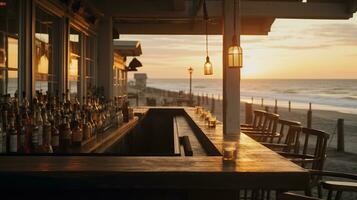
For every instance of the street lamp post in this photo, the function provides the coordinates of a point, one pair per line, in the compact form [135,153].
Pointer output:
[190,70]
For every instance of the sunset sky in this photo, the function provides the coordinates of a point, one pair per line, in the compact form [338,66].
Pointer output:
[293,49]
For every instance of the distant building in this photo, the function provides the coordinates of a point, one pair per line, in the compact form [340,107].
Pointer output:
[140,80]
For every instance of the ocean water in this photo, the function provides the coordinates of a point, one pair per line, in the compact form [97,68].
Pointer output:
[334,95]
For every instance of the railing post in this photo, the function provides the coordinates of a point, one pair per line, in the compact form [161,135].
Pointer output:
[309,117]
[248,113]
[289,106]
[340,135]
[262,102]
[276,107]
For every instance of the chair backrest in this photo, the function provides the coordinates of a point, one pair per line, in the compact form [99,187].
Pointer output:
[314,145]
[289,132]
[291,196]
[270,123]
[258,118]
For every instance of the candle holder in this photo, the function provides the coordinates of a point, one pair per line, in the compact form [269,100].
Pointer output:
[212,122]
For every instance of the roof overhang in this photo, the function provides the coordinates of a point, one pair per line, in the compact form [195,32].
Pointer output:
[185,16]
[127,48]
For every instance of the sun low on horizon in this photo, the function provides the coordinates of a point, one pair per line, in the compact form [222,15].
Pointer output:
[294,49]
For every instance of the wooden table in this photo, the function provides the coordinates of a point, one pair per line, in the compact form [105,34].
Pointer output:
[256,167]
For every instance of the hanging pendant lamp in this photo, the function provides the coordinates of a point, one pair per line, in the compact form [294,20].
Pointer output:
[235,52]
[208,68]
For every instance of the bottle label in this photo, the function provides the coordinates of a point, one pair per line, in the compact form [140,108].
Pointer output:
[13,143]
[1,144]
[35,137]
[55,140]
[40,136]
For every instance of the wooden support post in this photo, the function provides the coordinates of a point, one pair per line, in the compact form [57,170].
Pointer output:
[276,107]
[248,113]
[309,117]
[231,75]
[289,106]
[340,135]
[262,102]
[105,56]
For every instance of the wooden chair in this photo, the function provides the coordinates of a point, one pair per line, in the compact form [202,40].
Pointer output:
[288,137]
[268,129]
[334,188]
[258,119]
[313,151]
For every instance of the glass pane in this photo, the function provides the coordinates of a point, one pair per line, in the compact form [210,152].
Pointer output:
[46,39]
[12,82]
[2,82]
[13,57]
[74,63]
[9,28]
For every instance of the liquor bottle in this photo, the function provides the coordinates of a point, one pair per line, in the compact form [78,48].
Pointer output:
[47,147]
[12,133]
[55,134]
[86,128]
[5,138]
[66,136]
[2,137]
[21,130]
[39,124]
[125,111]
[77,134]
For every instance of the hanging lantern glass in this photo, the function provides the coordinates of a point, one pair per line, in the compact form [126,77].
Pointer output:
[208,68]
[235,56]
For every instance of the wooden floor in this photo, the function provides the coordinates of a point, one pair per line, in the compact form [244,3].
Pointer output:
[256,167]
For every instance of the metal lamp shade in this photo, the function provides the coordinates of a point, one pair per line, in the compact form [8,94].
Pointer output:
[235,56]
[135,63]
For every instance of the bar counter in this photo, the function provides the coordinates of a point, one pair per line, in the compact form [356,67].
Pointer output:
[256,167]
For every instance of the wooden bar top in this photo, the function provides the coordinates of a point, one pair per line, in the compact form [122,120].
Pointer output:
[256,167]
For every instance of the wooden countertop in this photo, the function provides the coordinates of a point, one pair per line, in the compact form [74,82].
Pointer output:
[256,167]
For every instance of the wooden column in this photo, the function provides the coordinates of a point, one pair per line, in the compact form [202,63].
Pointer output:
[231,76]
[105,56]
[25,48]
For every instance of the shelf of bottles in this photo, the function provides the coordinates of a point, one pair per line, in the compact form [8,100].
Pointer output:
[51,124]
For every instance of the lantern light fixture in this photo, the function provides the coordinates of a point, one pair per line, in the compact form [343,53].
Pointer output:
[207,67]
[235,52]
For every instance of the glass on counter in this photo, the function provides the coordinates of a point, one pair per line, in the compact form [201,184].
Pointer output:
[229,151]
[212,122]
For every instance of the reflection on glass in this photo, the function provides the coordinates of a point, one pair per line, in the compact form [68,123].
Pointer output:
[9,23]
[12,47]
[46,39]
[74,63]
[12,82]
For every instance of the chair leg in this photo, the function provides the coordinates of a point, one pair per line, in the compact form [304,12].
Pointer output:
[338,195]
[319,191]
[329,196]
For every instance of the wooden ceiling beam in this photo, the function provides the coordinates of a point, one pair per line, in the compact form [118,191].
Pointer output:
[260,8]
[250,26]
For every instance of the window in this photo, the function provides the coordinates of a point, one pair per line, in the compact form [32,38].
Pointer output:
[46,41]
[90,64]
[75,64]
[9,44]
[119,75]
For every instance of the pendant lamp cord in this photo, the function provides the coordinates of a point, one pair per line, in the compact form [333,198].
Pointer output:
[235,17]
[205,15]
